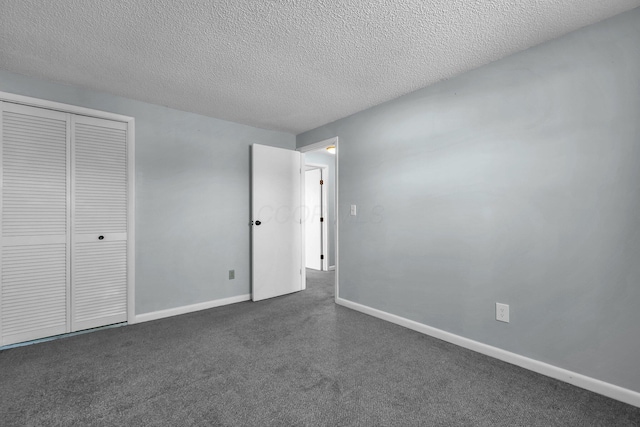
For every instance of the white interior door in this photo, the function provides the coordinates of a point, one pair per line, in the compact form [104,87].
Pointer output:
[99,235]
[312,215]
[34,286]
[276,200]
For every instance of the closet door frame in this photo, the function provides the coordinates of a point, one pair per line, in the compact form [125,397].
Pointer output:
[130,122]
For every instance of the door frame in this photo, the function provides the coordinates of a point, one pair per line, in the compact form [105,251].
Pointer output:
[130,122]
[317,146]
[323,202]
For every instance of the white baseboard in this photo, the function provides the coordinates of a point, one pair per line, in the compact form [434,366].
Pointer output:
[161,314]
[606,389]
[332,267]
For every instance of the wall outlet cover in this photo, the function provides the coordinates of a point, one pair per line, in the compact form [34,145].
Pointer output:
[502,312]
[232,274]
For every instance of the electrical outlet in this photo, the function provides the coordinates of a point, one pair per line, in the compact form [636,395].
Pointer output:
[354,210]
[502,312]
[232,274]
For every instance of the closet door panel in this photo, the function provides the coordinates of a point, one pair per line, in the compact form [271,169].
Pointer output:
[99,204]
[35,194]
[34,292]
[100,283]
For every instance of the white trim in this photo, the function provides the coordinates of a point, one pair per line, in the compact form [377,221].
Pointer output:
[58,106]
[324,174]
[332,267]
[59,336]
[337,214]
[319,145]
[312,166]
[597,386]
[131,223]
[303,237]
[161,314]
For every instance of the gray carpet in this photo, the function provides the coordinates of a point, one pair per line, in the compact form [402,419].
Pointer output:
[296,360]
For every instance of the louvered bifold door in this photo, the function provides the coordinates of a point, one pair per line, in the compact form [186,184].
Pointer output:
[35,190]
[99,233]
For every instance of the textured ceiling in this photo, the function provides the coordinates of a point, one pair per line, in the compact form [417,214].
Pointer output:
[288,65]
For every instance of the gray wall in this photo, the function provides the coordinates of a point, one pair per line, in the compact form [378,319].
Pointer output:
[192,195]
[321,157]
[518,182]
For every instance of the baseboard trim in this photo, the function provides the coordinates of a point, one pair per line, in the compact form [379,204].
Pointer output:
[332,267]
[161,314]
[606,389]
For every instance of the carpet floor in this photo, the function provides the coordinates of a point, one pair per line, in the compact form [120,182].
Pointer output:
[296,360]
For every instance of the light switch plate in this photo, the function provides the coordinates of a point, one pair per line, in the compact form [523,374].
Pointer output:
[353,210]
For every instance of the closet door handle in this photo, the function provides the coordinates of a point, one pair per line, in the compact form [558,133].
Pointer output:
[100,237]
[258,223]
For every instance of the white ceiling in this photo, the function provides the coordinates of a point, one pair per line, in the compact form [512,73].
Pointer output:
[287,65]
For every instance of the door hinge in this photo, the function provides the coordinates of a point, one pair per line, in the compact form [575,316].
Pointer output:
[321,256]
[322,182]
[321,219]
[300,271]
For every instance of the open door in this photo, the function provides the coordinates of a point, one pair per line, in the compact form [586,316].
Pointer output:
[276,218]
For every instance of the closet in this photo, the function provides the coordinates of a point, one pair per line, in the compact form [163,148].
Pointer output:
[65,219]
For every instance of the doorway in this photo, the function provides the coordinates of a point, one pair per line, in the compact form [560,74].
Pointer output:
[321,238]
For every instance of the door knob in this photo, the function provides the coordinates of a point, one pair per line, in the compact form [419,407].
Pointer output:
[100,237]
[258,223]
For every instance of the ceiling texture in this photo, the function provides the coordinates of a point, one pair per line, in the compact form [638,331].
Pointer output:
[288,65]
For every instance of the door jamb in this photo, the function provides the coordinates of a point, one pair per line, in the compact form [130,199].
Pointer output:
[324,265]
